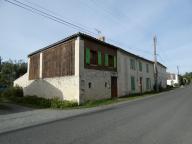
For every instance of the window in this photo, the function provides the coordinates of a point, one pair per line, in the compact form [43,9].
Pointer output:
[132,65]
[89,84]
[148,83]
[105,84]
[111,60]
[106,60]
[147,68]
[87,56]
[140,66]
[99,57]
[132,83]
[115,61]
[93,57]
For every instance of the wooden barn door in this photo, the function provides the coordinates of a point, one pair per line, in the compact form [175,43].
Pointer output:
[113,87]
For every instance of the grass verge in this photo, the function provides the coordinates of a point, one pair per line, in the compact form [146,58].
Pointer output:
[56,103]
[96,103]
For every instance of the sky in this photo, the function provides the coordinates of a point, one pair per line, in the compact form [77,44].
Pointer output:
[128,24]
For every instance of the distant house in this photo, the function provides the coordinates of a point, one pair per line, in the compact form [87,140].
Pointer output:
[172,79]
[81,68]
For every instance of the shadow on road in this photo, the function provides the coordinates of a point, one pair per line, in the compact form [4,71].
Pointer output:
[7,108]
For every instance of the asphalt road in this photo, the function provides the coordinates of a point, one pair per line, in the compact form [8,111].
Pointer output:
[7,108]
[162,119]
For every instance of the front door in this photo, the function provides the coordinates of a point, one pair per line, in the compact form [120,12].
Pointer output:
[113,87]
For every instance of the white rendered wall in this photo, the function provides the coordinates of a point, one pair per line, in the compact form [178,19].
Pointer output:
[66,87]
[162,76]
[125,73]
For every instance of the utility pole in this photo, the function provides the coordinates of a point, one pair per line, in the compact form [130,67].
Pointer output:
[178,70]
[180,81]
[155,63]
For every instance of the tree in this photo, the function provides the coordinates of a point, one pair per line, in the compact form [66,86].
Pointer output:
[11,70]
[0,63]
[188,76]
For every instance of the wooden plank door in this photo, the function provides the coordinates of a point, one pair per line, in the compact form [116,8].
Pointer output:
[113,87]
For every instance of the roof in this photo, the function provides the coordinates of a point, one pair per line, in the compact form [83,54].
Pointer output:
[79,34]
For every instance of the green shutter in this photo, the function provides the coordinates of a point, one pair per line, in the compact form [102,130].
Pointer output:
[132,83]
[87,56]
[106,60]
[99,57]
[115,62]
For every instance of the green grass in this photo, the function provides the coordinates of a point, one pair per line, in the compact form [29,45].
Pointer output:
[56,103]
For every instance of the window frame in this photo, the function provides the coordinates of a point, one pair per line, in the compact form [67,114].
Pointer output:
[140,66]
[147,68]
[133,83]
[132,64]
[93,57]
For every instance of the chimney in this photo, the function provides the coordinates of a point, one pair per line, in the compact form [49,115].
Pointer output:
[101,38]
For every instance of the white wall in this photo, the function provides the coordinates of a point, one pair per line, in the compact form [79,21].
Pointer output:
[162,76]
[97,78]
[125,73]
[173,81]
[66,87]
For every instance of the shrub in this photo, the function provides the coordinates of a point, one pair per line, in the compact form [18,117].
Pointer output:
[34,101]
[12,92]
[57,103]
[43,102]
[17,91]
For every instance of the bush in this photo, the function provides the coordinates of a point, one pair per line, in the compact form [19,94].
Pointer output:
[40,102]
[57,103]
[33,101]
[12,92]
[17,91]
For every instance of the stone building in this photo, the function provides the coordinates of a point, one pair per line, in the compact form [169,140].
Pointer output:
[81,68]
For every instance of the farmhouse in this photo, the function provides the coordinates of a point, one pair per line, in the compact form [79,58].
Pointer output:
[81,68]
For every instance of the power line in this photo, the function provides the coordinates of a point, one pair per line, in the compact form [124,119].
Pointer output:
[50,16]
[54,13]
[108,11]
[59,20]
[129,47]
[160,57]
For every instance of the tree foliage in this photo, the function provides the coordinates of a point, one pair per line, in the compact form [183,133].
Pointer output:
[11,70]
[188,76]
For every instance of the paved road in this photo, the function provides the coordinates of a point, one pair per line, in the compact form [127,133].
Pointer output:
[7,108]
[163,119]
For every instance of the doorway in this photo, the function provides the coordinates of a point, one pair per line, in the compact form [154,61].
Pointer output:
[113,87]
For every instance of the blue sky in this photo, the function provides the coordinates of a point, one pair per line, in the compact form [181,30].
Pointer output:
[125,23]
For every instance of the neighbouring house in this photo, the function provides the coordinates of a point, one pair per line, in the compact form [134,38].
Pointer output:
[81,67]
[173,79]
